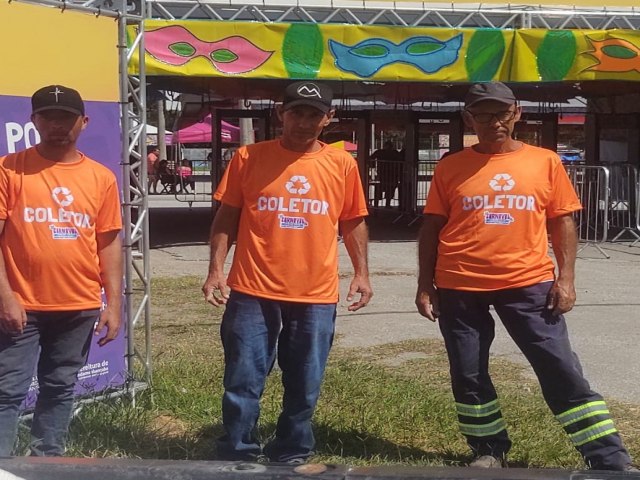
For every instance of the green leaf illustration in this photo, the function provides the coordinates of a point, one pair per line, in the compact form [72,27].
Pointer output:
[370,51]
[183,49]
[556,55]
[223,56]
[302,50]
[423,48]
[618,51]
[484,54]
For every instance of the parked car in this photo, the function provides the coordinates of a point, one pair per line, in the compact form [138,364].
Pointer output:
[571,156]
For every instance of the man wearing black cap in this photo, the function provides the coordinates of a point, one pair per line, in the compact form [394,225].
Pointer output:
[484,243]
[284,201]
[59,238]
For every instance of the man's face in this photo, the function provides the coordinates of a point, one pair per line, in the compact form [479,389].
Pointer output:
[493,122]
[59,127]
[303,124]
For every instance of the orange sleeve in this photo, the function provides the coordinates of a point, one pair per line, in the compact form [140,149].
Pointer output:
[437,201]
[109,216]
[4,193]
[229,189]
[355,205]
[564,199]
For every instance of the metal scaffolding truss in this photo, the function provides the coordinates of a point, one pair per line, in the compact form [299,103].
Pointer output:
[133,114]
[407,14]
[133,95]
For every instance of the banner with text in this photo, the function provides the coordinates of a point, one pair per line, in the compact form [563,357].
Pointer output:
[41,46]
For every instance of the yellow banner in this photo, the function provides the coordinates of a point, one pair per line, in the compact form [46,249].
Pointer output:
[377,53]
[555,3]
[44,45]
[557,55]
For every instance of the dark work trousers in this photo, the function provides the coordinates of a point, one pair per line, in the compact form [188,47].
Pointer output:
[468,330]
[57,345]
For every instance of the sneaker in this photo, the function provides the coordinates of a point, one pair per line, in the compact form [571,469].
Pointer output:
[488,461]
[631,468]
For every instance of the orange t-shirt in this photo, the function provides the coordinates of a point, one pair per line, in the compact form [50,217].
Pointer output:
[291,204]
[52,212]
[497,206]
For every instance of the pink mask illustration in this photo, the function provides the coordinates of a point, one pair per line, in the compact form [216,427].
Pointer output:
[177,46]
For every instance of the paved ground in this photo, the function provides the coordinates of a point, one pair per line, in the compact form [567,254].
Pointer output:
[604,325]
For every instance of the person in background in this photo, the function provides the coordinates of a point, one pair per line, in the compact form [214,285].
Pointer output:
[283,202]
[185,174]
[389,170]
[152,167]
[60,241]
[483,244]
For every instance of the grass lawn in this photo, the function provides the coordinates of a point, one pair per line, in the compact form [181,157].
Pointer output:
[384,405]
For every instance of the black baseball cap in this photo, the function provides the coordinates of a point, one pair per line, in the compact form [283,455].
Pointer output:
[496,91]
[314,94]
[57,97]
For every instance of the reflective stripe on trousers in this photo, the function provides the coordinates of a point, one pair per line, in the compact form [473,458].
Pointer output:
[480,420]
[587,422]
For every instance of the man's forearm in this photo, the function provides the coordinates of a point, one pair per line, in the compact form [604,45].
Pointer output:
[110,258]
[355,235]
[224,231]
[220,244]
[428,249]
[564,241]
[5,288]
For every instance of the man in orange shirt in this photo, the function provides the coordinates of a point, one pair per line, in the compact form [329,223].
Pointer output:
[283,202]
[484,243]
[59,237]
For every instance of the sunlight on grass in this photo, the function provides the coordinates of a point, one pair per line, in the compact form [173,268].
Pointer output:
[385,405]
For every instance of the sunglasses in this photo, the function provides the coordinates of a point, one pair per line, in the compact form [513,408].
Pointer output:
[502,117]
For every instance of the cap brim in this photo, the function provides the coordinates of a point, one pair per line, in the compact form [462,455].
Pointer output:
[323,107]
[59,107]
[506,101]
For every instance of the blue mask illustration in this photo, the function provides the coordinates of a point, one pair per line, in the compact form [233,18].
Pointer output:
[367,57]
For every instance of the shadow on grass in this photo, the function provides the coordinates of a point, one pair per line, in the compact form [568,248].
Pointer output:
[136,435]
[362,447]
[143,440]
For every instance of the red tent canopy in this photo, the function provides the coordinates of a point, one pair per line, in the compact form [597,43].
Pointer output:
[200,132]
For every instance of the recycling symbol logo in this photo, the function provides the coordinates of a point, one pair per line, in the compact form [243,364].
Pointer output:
[62,196]
[298,184]
[502,182]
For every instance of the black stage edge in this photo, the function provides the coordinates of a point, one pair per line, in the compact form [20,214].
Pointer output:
[30,468]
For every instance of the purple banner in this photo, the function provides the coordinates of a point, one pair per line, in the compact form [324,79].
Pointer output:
[100,140]
[106,367]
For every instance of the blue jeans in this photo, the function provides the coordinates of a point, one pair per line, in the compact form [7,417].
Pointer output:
[251,329]
[63,339]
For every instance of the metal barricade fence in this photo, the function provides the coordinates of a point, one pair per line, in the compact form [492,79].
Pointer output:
[194,184]
[592,186]
[424,174]
[623,198]
[637,209]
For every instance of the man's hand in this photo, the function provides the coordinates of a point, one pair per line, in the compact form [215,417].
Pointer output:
[110,317]
[561,297]
[215,290]
[362,286]
[13,318]
[428,303]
